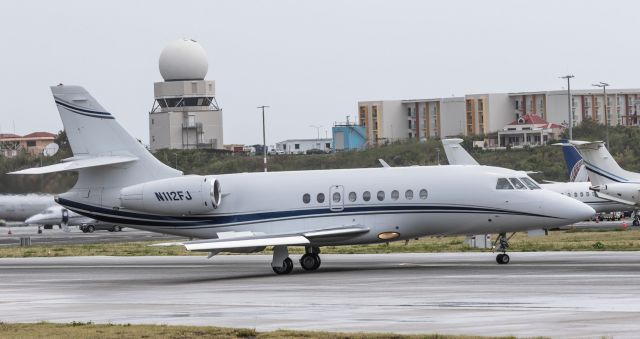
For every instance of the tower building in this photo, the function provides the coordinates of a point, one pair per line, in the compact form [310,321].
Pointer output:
[185,112]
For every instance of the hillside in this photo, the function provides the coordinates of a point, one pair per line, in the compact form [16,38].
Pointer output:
[625,146]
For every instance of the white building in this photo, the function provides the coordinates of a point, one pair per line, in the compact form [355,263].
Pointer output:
[185,114]
[301,146]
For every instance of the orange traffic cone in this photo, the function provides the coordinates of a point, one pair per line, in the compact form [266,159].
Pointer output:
[624,225]
[9,233]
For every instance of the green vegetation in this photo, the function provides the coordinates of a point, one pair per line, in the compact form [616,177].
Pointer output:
[625,146]
[576,240]
[90,330]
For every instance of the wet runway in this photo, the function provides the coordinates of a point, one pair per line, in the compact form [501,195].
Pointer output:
[556,294]
[75,236]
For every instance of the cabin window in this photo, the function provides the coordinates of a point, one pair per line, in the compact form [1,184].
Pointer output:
[423,194]
[306,198]
[380,195]
[575,195]
[352,196]
[408,194]
[531,184]
[320,197]
[517,184]
[587,194]
[336,197]
[581,194]
[395,195]
[503,184]
[366,196]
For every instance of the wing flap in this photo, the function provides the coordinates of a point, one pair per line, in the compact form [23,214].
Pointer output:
[76,164]
[614,199]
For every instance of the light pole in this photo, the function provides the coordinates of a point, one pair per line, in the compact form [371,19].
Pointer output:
[264,139]
[176,156]
[570,103]
[317,127]
[606,114]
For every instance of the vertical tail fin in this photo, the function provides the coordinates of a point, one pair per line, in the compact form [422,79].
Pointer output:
[456,154]
[575,165]
[602,167]
[94,134]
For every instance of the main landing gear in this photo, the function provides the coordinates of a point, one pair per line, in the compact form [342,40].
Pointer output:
[282,264]
[503,245]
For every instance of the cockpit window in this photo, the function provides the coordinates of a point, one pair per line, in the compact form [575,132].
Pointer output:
[518,185]
[503,184]
[530,183]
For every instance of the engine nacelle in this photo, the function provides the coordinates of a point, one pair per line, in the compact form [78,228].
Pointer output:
[190,194]
[626,191]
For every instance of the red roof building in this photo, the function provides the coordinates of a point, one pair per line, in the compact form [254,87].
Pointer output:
[34,143]
[528,130]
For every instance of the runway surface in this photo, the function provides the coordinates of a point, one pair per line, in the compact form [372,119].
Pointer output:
[556,294]
[75,236]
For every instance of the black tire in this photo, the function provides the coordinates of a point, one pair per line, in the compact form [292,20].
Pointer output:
[286,268]
[504,259]
[499,258]
[90,229]
[636,223]
[117,228]
[310,262]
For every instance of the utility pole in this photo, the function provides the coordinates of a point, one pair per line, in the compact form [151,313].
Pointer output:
[606,114]
[570,103]
[264,139]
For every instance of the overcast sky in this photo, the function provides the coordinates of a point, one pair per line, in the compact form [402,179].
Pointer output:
[311,61]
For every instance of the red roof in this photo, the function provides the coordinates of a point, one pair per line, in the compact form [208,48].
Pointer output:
[40,135]
[531,119]
[8,136]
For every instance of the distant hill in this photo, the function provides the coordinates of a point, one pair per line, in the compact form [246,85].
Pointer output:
[625,146]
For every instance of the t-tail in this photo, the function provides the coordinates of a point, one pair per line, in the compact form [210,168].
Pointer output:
[602,167]
[106,157]
[576,170]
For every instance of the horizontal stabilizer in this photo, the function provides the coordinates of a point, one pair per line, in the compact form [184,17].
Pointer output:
[614,199]
[76,164]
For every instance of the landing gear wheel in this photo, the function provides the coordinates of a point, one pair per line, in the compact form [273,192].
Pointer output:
[286,268]
[310,261]
[90,229]
[117,228]
[502,259]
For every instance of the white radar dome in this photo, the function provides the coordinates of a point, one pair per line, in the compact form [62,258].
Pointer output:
[183,59]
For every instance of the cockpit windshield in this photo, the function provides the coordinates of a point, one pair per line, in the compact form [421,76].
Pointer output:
[530,183]
[503,184]
[517,184]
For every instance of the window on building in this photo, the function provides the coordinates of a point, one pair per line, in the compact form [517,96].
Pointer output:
[366,196]
[409,111]
[353,196]
[31,143]
[380,195]
[327,145]
[408,194]
[517,104]
[296,146]
[320,197]
[306,198]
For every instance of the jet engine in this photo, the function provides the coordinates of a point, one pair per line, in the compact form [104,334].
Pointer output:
[626,191]
[190,194]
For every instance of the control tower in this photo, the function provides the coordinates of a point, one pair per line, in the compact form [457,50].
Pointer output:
[185,112]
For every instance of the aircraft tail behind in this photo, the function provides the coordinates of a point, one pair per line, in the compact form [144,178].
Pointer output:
[602,167]
[456,154]
[575,165]
[105,156]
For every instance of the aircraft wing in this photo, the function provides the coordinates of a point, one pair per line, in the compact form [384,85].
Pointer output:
[237,240]
[614,199]
[75,164]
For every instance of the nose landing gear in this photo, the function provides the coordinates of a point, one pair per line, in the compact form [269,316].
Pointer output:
[503,241]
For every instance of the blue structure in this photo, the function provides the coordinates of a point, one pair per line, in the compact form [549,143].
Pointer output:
[348,137]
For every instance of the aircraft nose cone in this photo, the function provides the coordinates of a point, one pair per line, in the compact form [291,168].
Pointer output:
[31,220]
[579,211]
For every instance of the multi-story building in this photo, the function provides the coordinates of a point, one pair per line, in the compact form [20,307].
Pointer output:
[489,113]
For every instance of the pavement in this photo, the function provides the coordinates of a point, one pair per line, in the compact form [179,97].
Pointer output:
[555,294]
[76,236]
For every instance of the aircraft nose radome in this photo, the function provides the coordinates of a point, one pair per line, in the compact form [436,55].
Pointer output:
[31,220]
[579,211]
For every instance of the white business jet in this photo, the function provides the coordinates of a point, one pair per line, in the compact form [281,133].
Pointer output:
[119,181]
[457,155]
[609,181]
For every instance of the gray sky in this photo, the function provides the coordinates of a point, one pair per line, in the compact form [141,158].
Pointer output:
[311,61]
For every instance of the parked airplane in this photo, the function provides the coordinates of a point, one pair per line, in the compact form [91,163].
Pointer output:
[58,215]
[20,206]
[457,155]
[609,181]
[119,181]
